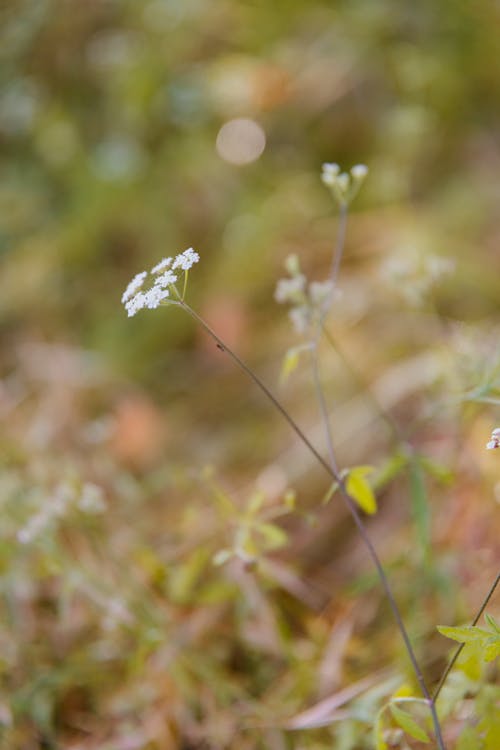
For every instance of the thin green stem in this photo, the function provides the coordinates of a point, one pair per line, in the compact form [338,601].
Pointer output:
[340,243]
[384,581]
[458,651]
[331,470]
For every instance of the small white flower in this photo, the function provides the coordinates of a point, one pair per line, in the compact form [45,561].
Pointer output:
[165,263]
[167,278]
[494,441]
[290,290]
[154,296]
[134,286]
[320,292]
[359,171]
[186,260]
[330,173]
[135,304]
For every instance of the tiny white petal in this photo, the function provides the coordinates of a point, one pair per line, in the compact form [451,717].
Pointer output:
[165,263]
[330,168]
[186,259]
[135,304]
[492,444]
[134,286]
[359,171]
[154,296]
[496,432]
[290,290]
[166,279]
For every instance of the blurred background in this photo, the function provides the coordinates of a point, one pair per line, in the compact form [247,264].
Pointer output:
[132,452]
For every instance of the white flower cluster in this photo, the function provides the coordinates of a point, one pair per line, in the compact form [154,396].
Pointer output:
[344,186]
[135,299]
[415,274]
[309,301]
[494,441]
[89,500]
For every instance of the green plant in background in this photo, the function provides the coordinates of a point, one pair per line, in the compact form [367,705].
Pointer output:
[311,303]
[128,126]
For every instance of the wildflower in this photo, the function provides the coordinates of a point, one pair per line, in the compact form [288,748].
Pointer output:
[165,263]
[359,171]
[494,441]
[154,296]
[290,290]
[134,286]
[330,173]
[136,298]
[135,304]
[166,279]
[186,260]
[320,292]
[343,186]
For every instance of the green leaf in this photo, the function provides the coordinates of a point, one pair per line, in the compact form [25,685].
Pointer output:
[491,648]
[464,634]
[378,729]
[492,623]
[290,499]
[255,503]
[359,489]
[330,493]
[274,535]
[408,724]
[389,470]
[290,363]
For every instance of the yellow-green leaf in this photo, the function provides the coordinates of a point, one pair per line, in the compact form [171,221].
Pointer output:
[492,648]
[290,362]
[380,743]
[359,488]
[464,634]
[408,724]
[274,535]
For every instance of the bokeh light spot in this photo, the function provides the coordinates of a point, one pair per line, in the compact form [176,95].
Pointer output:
[240,141]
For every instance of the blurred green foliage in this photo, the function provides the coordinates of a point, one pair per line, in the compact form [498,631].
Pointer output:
[118,630]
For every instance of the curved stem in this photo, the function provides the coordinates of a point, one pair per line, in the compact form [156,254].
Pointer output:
[339,246]
[458,651]
[332,471]
[350,503]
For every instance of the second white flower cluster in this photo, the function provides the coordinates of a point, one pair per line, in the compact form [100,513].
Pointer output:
[135,298]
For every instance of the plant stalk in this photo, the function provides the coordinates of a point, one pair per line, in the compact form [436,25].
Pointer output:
[333,472]
[458,651]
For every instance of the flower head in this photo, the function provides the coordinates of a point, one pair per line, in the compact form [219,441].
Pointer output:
[167,278]
[134,286]
[186,260]
[494,441]
[343,186]
[165,263]
[136,298]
